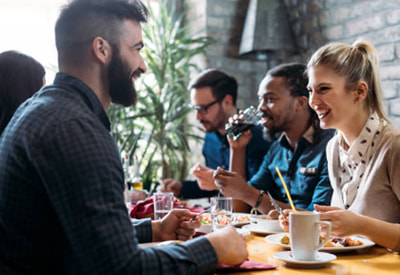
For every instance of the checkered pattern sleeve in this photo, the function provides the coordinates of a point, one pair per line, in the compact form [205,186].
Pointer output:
[85,183]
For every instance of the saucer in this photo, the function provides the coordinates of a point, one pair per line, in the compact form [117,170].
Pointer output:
[323,258]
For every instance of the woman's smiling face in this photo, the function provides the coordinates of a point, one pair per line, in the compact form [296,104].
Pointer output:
[329,98]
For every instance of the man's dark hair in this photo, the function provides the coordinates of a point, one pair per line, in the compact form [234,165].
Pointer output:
[297,81]
[295,76]
[220,83]
[20,77]
[83,20]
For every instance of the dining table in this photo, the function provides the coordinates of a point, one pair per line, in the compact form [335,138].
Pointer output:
[374,260]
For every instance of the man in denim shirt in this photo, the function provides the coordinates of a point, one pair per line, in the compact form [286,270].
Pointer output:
[299,153]
[213,97]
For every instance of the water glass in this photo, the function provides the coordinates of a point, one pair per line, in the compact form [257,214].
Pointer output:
[221,212]
[163,203]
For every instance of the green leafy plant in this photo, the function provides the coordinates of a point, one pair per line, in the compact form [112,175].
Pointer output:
[157,129]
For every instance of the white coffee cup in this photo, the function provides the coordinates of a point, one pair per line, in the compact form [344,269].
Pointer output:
[304,228]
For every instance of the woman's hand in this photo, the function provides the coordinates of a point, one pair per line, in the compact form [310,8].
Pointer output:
[344,222]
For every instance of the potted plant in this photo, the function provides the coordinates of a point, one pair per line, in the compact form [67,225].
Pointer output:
[157,129]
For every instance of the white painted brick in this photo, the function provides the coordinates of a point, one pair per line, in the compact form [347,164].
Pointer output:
[393,17]
[386,52]
[334,32]
[390,88]
[391,72]
[364,24]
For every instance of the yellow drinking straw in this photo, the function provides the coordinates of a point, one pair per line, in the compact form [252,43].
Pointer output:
[287,191]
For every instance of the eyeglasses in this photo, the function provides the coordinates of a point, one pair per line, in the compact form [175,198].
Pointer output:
[203,109]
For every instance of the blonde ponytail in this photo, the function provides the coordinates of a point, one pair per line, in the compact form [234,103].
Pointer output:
[358,62]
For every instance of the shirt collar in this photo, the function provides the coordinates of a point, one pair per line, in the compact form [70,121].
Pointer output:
[308,136]
[87,94]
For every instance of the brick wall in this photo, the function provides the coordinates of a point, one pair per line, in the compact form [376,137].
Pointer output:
[314,23]
[223,20]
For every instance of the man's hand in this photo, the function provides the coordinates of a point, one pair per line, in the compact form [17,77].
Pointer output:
[241,142]
[231,184]
[171,185]
[204,177]
[229,245]
[284,223]
[344,222]
[179,224]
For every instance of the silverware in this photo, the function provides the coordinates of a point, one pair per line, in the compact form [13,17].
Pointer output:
[275,205]
[199,214]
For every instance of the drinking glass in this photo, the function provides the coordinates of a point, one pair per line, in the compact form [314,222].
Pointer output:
[246,119]
[163,203]
[221,212]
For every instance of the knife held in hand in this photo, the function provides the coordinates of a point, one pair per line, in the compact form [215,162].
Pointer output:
[275,205]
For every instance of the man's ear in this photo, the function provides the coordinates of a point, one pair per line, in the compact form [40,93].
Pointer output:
[360,92]
[102,50]
[227,101]
[302,102]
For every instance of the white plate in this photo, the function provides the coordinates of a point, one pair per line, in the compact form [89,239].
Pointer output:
[257,230]
[276,239]
[322,259]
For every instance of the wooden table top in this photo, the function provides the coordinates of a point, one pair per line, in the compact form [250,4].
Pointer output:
[375,260]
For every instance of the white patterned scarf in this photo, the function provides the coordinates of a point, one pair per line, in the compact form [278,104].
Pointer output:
[352,163]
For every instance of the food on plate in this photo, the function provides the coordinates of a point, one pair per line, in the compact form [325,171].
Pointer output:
[332,242]
[206,219]
[285,240]
[223,220]
[343,242]
[273,214]
[242,218]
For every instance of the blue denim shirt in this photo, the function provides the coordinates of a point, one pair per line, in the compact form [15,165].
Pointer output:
[216,152]
[304,171]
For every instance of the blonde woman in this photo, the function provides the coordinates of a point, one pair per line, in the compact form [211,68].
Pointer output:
[363,157]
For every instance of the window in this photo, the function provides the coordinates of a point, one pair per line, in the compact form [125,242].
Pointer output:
[28,26]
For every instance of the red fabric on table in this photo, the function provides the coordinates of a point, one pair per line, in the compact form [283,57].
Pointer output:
[248,265]
[145,208]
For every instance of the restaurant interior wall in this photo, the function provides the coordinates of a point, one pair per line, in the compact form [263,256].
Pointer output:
[314,23]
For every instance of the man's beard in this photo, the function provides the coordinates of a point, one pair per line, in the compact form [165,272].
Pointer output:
[217,123]
[271,133]
[122,90]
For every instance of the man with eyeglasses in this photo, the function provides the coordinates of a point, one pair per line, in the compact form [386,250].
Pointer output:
[213,98]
